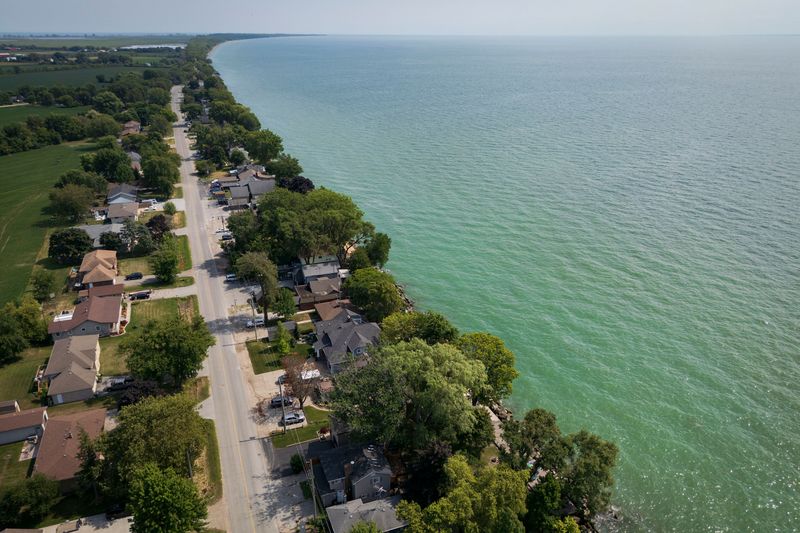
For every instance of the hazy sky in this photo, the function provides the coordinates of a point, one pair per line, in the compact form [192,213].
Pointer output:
[519,17]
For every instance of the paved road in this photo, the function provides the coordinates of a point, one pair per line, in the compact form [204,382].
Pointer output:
[245,472]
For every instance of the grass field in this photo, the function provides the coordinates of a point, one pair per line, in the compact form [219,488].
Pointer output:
[109,41]
[16,378]
[141,264]
[316,419]
[18,113]
[178,219]
[184,253]
[112,362]
[69,77]
[263,356]
[212,466]
[26,179]
[12,469]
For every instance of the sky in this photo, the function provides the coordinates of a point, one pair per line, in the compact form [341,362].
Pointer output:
[416,17]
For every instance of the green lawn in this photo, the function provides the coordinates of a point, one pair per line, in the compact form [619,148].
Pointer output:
[177,192]
[178,219]
[12,469]
[316,419]
[129,265]
[18,113]
[214,466]
[16,379]
[112,362]
[184,253]
[263,356]
[71,77]
[26,179]
[180,281]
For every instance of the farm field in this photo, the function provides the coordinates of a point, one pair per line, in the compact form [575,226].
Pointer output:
[111,41]
[27,178]
[18,113]
[68,77]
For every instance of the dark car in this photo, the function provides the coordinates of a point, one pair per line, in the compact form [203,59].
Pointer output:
[278,400]
[134,275]
[226,237]
[116,510]
[144,295]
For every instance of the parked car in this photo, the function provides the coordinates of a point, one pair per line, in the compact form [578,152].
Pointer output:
[292,418]
[142,295]
[278,400]
[226,237]
[118,384]
[231,277]
[134,275]
[257,322]
[281,379]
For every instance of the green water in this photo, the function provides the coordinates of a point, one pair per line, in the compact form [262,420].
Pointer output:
[623,212]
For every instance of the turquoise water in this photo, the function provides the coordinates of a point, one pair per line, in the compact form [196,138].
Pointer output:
[625,213]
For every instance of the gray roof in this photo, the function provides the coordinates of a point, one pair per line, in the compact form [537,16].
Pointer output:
[72,364]
[363,459]
[318,270]
[261,186]
[339,337]
[72,379]
[122,188]
[381,512]
[95,230]
[240,192]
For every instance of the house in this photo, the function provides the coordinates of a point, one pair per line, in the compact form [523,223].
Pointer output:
[102,291]
[240,196]
[121,193]
[344,339]
[382,513]
[21,425]
[318,290]
[9,406]
[96,230]
[329,310]
[132,127]
[120,212]
[72,369]
[57,457]
[97,315]
[99,267]
[340,432]
[324,269]
[136,161]
[356,471]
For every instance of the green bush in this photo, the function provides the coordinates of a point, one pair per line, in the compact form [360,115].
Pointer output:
[297,463]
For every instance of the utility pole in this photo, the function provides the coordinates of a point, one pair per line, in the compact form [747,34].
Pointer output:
[253,305]
[283,407]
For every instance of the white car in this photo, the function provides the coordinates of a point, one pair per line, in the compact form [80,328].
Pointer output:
[292,418]
[257,322]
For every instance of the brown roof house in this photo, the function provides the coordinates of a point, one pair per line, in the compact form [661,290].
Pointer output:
[132,127]
[97,315]
[18,426]
[57,457]
[318,290]
[72,369]
[99,267]
[119,213]
[330,310]
[344,339]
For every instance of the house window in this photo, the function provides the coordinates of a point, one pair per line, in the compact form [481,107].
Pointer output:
[376,480]
[97,328]
[83,329]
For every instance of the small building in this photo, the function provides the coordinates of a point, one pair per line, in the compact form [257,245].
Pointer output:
[356,471]
[99,267]
[259,187]
[97,315]
[136,161]
[9,406]
[132,127]
[18,426]
[57,457]
[344,339]
[240,196]
[94,231]
[122,193]
[382,513]
[120,212]
[324,269]
[72,369]
[317,291]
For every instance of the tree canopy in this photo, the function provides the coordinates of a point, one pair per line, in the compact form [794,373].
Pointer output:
[429,326]
[256,266]
[165,260]
[496,358]
[71,202]
[68,246]
[161,501]
[375,292]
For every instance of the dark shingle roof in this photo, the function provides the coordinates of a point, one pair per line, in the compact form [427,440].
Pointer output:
[363,458]
[380,512]
[343,335]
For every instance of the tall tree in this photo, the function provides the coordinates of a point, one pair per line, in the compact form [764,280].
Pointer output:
[68,246]
[165,260]
[294,366]
[161,501]
[535,437]
[256,266]
[284,166]
[429,326]
[43,283]
[378,249]
[94,181]
[12,339]
[588,471]
[284,304]
[375,292]
[498,360]
[71,202]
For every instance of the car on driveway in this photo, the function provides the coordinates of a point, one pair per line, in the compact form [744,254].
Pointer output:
[226,237]
[231,277]
[292,418]
[142,295]
[278,400]
[134,275]
[257,322]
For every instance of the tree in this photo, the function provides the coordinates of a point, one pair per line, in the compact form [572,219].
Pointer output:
[204,168]
[169,208]
[498,360]
[378,249]
[263,146]
[111,163]
[284,304]
[138,391]
[284,166]
[68,246]
[160,173]
[95,182]
[137,237]
[375,292]
[162,501]
[168,350]
[165,260]
[110,240]
[27,501]
[544,501]
[301,388]
[100,125]
[358,259]
[91,469]
[589,464]
[71,202]
[107,102]
[536,436]
[429,326]
[43,283]
[28,315]
[159,226]
[410,395]
[299,184]
[365,527]
[12,340]
[490,500]
[297,463]
[237,157]
[256,266]
[283,340]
